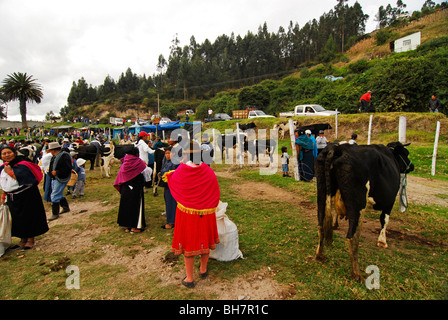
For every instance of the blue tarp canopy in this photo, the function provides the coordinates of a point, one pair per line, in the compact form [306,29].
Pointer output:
[118,131]
[134,129]
[162,127]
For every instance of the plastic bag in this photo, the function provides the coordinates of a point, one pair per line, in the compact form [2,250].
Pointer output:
[5,229]
[228,248]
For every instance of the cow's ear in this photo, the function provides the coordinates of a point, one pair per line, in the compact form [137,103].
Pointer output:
[406,144]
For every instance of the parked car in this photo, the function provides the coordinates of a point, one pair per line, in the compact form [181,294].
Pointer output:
[258,114]
[308,110]
[219,117]
[164,120]
[333,78]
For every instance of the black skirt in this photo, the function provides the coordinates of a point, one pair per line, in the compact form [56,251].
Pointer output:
[131,212]
[306,166]
[28,215]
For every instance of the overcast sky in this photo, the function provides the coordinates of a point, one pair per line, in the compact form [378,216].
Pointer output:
[60,41]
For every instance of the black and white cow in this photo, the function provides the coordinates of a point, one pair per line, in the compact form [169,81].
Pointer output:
[258,146]
[122,149]
[247,126]
[225,142]
[87,152]
[353,177]
[315,128]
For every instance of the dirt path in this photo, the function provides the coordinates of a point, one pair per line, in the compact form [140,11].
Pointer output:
[427,191]
[258,285]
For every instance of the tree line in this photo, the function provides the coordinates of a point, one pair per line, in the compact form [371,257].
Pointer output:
[201,70]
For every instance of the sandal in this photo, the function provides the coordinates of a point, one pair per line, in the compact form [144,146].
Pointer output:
[135,230]
[188,284]
[203,275]
[168,226]
[29,244]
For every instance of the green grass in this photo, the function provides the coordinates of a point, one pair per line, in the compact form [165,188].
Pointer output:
[421,156]
[272,233]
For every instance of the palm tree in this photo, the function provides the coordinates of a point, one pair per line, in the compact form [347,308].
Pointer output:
[2,102]
[20,86]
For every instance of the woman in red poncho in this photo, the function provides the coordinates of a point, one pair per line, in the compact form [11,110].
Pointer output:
[196,190]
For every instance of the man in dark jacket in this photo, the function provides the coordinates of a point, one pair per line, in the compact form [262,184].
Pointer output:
[434,104]
[61,170]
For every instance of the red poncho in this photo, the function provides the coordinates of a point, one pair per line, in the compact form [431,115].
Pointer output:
[196,190]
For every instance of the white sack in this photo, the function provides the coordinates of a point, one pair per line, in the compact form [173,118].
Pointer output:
[5,229]
[228,248]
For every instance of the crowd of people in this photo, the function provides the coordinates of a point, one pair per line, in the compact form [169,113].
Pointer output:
[24,164]
[190,207]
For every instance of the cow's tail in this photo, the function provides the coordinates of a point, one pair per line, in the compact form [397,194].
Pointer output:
[327,226]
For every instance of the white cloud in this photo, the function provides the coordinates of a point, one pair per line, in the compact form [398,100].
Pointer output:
[59,42]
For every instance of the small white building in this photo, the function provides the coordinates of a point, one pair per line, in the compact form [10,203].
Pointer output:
[410,42]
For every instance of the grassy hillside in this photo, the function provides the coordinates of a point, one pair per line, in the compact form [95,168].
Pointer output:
[432,27]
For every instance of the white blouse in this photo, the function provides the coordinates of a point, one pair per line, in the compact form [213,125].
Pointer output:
[7,183]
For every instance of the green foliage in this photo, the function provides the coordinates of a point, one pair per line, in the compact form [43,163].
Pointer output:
[329,51]
[224,103]
[257,96]
[415,77]
[384,35]
[359,66]
[168,111]
[432,45]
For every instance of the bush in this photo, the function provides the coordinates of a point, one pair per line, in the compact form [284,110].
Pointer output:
[383,35]
[256,95]
[359,66]
[168,111]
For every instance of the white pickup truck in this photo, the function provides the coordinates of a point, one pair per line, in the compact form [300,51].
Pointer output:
[308,110]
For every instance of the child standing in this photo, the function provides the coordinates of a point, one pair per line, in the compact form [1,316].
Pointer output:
[285,162]
[81,182]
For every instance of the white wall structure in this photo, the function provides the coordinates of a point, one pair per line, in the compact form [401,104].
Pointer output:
[410,42]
